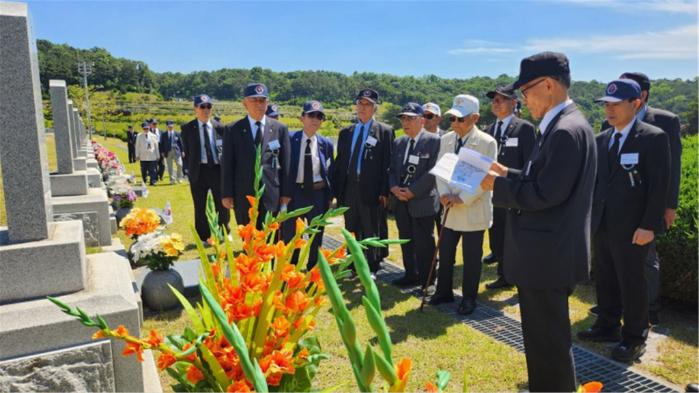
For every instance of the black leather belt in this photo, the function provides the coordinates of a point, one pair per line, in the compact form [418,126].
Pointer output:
[316,186]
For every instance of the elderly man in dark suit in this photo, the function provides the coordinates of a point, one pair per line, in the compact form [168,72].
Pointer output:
[547,243]
[131,143]
[170,149]
[201,149]
[416,202]
[311,158]
[629,203]
[515,138]
[360,171]
[240,144]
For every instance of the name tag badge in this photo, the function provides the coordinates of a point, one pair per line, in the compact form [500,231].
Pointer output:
[629,159]
[274,145]
[512,142]
[219,142]
[371,141]
[413,159]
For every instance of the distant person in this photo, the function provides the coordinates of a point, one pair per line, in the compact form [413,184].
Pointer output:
[147,153]
[131,135]
[272,111]
[433,117]
[171,152]
[360,172]
[156,131]
[415,201]
[633,171]
[515,138]
[240,144]
[202,139]
[311,158]
[470,214]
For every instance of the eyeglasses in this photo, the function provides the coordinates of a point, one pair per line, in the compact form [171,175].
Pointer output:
[205,106]
[524,91]
[460,119]
[315,115]
[429,116]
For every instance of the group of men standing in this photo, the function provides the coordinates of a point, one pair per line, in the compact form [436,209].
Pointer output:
[552,191]
[154,149]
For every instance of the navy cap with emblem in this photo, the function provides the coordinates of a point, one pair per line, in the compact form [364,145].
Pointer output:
[313,106]
[272,110]
[154,121]
[368,94]
[144,124]
[506,91]
[542,64]
[620,90]
[169,122]
[202,99]
[411,109]
[640,78]
[256,90]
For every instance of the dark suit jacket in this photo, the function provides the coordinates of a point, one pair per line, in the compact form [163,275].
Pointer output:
[131,137]
[325,155]
[624,207]
[670,124]
[547,239]
[191,146]
[422,183]
[238,165]
[373,179]
[515,156]
[166,144]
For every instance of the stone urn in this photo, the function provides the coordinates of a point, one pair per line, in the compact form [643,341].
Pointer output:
[155,292]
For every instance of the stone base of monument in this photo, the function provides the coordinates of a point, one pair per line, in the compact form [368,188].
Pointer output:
[35,269]
[94,201]
[94,178]
[92,163]
[69,184]
[58,344]
[79,164]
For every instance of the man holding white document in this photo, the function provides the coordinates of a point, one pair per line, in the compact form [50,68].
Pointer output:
[468,206]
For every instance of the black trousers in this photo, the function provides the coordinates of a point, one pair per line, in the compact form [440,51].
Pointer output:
[382,231]
[362,220]
[652,267]
[496,237]
[547,339]
[161,168]
[209,180]
[132,152]
[299,199]
[472,252]
[620,282]
[418,252]
[148,169]
[242,217]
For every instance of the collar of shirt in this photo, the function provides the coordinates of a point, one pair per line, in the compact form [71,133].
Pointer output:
[642,113]
[315,158]
[305,137]
[208,123]
[253,127]
[553,112]
[505,122]
[407,146]
[624,133]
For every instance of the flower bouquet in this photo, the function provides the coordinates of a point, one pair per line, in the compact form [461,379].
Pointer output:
[140,221]
[123,198]
[157,250]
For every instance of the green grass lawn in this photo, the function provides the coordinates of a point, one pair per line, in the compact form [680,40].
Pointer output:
[473,359]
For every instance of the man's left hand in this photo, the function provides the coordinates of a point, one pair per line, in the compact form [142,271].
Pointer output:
[488,182]
[383,200]
[284,200]
[407,194]
[670,215]
[642,237]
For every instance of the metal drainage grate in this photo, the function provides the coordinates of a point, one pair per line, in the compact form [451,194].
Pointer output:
[589,366]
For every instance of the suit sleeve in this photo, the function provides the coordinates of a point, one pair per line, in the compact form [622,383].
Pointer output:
[286,181]
[527,139]
[393,170]
[553,182]
[425,184]
[161,142]
[490,151]
[228,163]
[658,169]
[673,133]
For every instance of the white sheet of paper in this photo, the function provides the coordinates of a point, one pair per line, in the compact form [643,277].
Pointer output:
[629,159]
[445,166]
[511,142]
[463,172]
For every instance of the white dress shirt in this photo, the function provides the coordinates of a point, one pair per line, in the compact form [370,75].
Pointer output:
[202,143]
[624,133]
[407,147]
[253,126]
[505,123]
[315,158]
[551,114]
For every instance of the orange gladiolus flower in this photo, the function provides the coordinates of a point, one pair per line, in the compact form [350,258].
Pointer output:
[279,249]
[592,387]
[193,356]
[121,331]
[297,302]
[132,348]
[274,226]
[300,225]
[166,360]
[303,354]
[292,278]
[251,200]
[431,388]
[154,339]
[275,365]
[245,232]
[403,372]
[194,375]
[98,334]
[299,243]
[280,326]
[240,386]
[314,275]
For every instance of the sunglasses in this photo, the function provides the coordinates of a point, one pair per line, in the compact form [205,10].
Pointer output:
[428,116]
[315,115]
[459,119]
[205,106]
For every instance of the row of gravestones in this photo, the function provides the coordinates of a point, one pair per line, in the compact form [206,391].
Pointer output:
[50,220]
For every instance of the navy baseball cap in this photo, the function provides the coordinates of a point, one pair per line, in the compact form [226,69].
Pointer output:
[411,109]
[154,121]
[272,110]
[256,90]
[144,124]
[313,106]
[506,91]
[369,94]
[620,90]
[640,78]
[169,122]
[202,99]
[542,64]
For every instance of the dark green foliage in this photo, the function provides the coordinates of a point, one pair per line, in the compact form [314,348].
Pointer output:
[678,247]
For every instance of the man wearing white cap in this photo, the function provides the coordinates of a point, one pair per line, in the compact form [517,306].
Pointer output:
[433,116]
[469,214]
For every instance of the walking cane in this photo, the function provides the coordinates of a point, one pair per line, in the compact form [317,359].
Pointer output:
[434,259]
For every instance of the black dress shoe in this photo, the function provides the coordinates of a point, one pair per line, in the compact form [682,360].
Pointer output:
[467,307]
[489,259]
[598,334]
[692,387]
[627,353]
[499,283]
[436,300]
[405,281]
